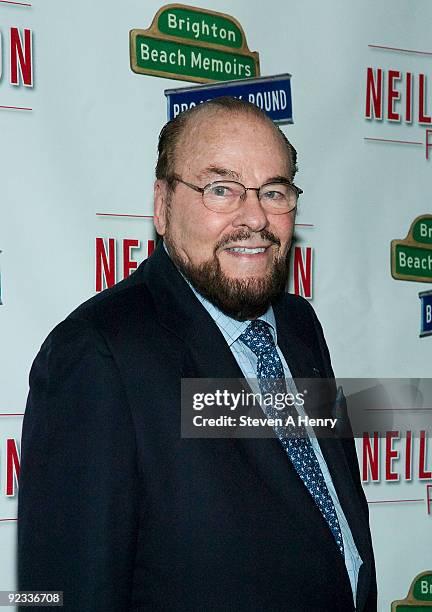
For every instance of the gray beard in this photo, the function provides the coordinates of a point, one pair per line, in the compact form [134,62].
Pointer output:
[240,299]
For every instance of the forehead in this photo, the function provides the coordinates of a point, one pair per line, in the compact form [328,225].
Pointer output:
[240,142]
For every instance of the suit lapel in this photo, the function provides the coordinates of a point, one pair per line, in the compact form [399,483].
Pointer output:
[299,357]
[205,351]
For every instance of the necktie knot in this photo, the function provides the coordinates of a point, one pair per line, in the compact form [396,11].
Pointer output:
[258,337]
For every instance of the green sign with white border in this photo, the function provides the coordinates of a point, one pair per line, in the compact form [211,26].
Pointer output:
[192,44]
[411,258]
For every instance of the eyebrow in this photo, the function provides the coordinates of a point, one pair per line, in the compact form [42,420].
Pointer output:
[278,179]
[226,172]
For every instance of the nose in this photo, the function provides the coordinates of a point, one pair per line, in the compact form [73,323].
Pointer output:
[250,213]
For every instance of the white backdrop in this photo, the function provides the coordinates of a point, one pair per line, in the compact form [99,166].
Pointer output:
[88,146]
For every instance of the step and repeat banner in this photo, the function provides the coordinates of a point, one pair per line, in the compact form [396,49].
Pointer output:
[84,90]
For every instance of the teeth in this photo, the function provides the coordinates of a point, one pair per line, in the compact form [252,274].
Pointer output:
[246,250]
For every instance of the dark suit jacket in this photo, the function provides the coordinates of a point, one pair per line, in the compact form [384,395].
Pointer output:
[121,513]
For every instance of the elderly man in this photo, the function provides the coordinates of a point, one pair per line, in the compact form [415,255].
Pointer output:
[119,511]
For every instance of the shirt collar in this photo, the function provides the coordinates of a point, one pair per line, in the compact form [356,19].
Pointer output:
[230,328]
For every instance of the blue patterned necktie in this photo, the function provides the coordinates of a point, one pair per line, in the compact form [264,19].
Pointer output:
[271,379]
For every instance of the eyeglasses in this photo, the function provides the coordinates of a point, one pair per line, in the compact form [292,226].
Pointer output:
[276,198]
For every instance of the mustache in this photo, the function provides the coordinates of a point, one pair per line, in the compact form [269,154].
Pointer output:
[244,234]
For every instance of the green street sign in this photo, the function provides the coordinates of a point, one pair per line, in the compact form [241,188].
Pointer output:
[419,598]
[413,261]
[186,61]
[411,258]
[205,26]
[192,44]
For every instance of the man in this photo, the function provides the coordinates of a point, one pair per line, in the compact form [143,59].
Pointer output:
[119,511]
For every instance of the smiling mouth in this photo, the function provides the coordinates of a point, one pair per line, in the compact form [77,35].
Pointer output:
[247,250]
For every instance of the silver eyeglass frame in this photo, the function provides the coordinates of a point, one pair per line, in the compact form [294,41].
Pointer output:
[202,190]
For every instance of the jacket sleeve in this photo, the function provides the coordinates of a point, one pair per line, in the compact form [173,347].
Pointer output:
[78,484]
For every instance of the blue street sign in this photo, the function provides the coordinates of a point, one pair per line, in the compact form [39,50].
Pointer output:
[272,94]
[426,313]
